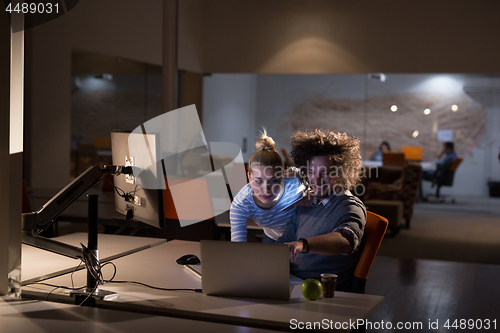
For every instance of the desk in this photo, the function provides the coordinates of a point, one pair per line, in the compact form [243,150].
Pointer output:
[156,266]
[37,264]
[428,166]
[23,316]
[368,163]
[425,165]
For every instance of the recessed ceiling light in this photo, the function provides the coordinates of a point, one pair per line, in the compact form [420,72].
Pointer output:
[394,108]
[415,134]
[427,111]
[454,108]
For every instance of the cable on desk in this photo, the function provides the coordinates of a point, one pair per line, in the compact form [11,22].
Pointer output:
[54,285]
[71,275]
[153,287]
[96,272]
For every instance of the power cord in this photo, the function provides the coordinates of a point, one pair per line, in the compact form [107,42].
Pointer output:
[127,196]
[96,272]
[153,287]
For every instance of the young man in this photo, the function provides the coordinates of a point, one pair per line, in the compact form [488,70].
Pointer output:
[446,158]
[326,235]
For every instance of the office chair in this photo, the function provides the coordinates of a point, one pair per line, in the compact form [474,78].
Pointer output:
[446,179]
[375,228]
[393,159]
[286,158]
[197,208]
[412,153]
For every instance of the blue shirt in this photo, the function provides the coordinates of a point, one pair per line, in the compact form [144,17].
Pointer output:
[272,220]
[445,163]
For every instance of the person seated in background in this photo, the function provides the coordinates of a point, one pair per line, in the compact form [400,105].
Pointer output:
[325,237]
[266,195]
[446,158]
[377,154]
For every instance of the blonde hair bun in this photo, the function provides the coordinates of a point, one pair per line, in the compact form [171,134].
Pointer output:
[266,154]
[265,143]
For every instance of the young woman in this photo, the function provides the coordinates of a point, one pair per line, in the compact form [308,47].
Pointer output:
[383,148]
[268,198]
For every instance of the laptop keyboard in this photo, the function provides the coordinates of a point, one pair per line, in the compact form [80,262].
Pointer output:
[195,269]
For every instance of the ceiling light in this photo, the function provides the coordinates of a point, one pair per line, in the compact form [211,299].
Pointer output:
[415,134]
[394,108]
[454,108]
[427,111]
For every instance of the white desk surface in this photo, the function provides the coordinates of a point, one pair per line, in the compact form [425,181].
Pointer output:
[425,165]
[37,264]
[29,316]
[156,266]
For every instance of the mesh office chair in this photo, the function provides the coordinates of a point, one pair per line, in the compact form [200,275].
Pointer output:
[446,179]
[375,228]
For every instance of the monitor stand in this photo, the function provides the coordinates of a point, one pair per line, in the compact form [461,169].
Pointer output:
[35,222]
[92,291]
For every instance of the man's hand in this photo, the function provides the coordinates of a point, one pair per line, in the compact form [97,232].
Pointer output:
[295,247]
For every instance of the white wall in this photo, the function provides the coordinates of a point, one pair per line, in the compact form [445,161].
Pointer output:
[276,95]
[229,110]
[493,172]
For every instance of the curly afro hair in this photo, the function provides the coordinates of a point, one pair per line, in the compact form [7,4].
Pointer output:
[341,148]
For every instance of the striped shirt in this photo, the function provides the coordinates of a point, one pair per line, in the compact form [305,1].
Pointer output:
[272,220]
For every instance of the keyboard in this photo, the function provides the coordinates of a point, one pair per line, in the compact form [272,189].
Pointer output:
[195,269]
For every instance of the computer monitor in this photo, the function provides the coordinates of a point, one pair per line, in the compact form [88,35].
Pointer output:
[145,203]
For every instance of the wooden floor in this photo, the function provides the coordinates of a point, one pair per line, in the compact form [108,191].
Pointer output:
[419,291]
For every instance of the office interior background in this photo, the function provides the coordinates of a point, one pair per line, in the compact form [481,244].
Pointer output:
[257,64]
[277,64]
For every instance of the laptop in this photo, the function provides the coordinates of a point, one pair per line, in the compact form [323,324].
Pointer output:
[245,269]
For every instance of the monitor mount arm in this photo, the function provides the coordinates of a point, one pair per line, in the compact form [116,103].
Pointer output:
[35,222]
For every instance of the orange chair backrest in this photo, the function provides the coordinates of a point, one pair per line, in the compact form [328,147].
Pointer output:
[375,228]
[393,158]
[102,143]
[454,165]
[286,158]
[196,203]
[413,153]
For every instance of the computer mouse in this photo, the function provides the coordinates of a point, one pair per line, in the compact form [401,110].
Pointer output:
[188,259]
